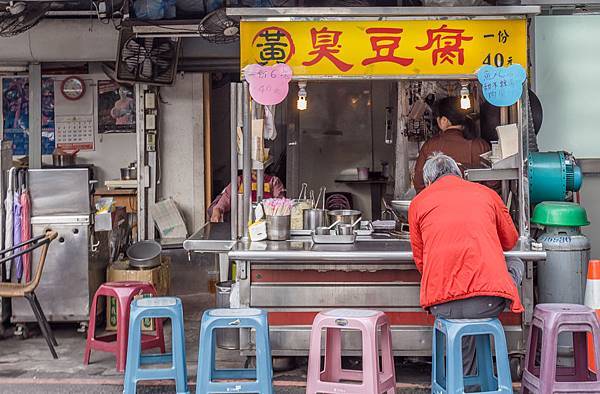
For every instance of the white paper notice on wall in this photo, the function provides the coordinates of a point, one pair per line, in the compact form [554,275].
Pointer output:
[508,138]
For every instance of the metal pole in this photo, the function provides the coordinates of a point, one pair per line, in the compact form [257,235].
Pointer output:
[143,170]
[401,174]
[35,115]
[247,149]
[260,181]
[523,117]
[234,160]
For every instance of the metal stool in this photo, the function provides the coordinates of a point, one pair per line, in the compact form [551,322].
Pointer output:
[329,379]
[124,292]
[448,376]
[545,377]
[156,307]
[261,377]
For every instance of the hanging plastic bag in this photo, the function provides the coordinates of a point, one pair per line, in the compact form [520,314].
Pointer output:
[154,9]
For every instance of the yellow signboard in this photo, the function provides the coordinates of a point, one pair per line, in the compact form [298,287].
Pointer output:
[395,48]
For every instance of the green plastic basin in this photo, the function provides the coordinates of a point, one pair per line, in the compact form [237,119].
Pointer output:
[561,214]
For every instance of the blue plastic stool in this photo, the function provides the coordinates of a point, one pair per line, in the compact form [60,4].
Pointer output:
[156,307]
[447,377]
[261,378]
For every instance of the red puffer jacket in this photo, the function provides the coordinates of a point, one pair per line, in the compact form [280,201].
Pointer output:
[458,230]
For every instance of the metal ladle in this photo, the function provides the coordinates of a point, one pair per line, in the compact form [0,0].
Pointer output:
[334,224]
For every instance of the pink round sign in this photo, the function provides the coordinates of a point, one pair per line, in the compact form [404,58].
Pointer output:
[269,85]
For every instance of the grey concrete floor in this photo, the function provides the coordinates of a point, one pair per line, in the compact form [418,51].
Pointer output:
[26,366]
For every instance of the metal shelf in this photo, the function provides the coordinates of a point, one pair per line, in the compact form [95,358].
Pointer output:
[492,174]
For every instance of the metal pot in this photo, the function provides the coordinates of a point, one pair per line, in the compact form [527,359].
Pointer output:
[144,254]
[347,216]
[401,209]
[313,218]
[128,173]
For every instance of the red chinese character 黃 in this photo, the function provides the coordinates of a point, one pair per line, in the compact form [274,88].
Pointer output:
[384,42]
[447,44]
[326,44]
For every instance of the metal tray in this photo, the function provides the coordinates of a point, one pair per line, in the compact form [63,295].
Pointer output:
[334,239]
[300,233]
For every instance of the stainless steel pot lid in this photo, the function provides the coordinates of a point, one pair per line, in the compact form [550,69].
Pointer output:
[344,212]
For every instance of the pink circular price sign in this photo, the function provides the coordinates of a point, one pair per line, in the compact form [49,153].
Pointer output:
[269,85]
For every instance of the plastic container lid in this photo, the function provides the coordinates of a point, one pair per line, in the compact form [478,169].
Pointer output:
[561,214]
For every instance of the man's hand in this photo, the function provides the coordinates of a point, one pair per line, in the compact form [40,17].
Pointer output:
[217,216]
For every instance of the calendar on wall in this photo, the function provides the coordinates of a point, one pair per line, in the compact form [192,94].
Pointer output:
[75,132]
[75,124]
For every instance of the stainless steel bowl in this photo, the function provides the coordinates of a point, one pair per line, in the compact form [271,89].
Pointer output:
[401,209]
[347,216]
[144,254]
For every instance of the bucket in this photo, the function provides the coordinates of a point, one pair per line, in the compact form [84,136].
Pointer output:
[227,338]
[278,228]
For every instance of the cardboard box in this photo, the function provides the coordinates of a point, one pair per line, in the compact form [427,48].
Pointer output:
[159,277]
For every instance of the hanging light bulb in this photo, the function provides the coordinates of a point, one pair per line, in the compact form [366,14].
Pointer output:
[302,103]
[465,101]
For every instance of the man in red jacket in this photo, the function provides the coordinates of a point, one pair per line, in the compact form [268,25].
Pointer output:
[458,232]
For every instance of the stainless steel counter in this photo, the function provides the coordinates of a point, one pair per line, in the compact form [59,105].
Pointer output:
[215,238]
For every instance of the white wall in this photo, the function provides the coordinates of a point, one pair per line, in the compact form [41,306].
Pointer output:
[567,59]
[567,68]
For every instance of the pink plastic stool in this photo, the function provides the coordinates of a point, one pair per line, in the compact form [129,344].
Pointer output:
[124,292]
[371,380]
[549,320]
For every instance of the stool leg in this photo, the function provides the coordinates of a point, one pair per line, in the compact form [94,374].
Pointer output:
[91,331]
[333,355]
[160,334]
[387,357]
[134,351]
[596,343]
[454,364]
[314,359]
[179,363]
[502,363]
[438,373]
[123,331]
[548,360]
[485,366]
[532,349]
[370,375]
[205,357]
[580,356]
[264,363]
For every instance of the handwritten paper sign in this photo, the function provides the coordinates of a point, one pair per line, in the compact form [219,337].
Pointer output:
[269,85]
[502,86]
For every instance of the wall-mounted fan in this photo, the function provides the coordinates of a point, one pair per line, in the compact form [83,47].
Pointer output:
[17,17]
[218,28]
[147,60]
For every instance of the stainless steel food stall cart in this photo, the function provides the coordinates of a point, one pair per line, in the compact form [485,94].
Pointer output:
[296,279]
